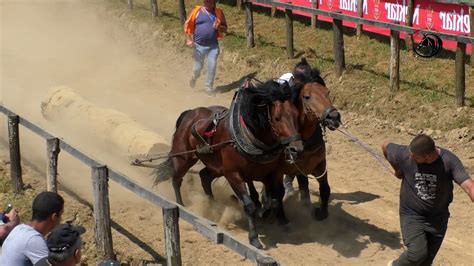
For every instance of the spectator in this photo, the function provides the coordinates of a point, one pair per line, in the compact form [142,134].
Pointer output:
[427,173]
[204,27]
[26,244]
[64,244]
[7,222]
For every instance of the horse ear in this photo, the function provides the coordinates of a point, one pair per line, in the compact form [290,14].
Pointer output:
[303,60]
[247,83]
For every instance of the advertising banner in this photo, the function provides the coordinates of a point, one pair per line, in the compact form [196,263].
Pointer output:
[439,17]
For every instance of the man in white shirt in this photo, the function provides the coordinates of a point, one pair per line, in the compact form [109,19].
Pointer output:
[26,244]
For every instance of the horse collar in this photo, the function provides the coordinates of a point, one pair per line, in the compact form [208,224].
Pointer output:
[245,142]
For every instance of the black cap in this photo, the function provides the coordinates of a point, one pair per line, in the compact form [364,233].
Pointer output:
[64,237]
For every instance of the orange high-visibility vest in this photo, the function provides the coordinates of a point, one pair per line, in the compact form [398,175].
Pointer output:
[189,24]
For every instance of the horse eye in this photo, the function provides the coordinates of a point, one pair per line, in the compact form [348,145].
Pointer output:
[277,119]
[306,97]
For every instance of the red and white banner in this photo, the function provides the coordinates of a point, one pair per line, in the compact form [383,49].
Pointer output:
[448,18]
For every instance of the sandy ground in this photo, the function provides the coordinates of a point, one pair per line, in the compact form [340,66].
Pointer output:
[53,43]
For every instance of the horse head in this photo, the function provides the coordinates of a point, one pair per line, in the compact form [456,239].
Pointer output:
[312,93]
[273,109]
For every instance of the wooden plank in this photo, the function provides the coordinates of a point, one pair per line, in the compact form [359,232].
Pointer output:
[154,8]
[249,24]
[52,146]
[290,52]
[460,74]
[103,233]
[338,47]
[360,12]
[130,4]
[409,23]
[394,62]
[77,154]
[266,261]
[314,18]
[244,250]
[172,240]
[209,230]
[15,156]
[182,11]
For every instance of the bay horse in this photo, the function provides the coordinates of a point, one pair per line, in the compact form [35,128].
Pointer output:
[247,142]
[316,113]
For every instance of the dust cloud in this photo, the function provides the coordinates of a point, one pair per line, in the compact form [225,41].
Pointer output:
[46,44]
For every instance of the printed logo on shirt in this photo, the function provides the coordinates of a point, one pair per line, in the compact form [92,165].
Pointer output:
[426,186]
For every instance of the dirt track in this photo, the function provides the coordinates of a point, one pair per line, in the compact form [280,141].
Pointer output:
[66,43]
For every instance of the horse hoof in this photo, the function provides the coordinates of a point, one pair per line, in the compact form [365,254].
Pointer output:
[320,214]
[256,243]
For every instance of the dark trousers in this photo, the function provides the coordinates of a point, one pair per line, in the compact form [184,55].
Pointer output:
[422,237]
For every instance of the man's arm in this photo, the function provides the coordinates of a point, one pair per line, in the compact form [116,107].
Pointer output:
[398,174]
[468,187]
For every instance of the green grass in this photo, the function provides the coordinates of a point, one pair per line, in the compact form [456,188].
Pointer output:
[366,78]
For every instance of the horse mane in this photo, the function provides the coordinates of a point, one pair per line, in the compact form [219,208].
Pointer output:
[257,96]
[303,73]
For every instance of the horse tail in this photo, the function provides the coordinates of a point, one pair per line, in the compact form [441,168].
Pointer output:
[163,171]
[181,117]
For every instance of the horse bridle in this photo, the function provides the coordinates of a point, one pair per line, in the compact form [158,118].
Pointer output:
[281,141]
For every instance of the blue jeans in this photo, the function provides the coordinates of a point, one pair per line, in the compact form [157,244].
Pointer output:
[199,54]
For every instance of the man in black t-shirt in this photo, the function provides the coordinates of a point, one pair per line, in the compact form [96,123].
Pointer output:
[427,173]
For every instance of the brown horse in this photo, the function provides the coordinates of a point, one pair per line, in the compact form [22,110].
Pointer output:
[316,113]
[246,145]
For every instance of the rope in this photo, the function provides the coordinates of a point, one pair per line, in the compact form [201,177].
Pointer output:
[166,155]
[366,147]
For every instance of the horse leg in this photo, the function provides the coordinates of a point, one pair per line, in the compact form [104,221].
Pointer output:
[303,184]
[181,167]
[321,211]
[254,195]
[206,182]
[240,190]
[278,192]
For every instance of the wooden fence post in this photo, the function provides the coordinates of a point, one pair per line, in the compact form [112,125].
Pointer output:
[249,24]
[172,240]
[460,74]
[273,11]
[15,156]
[338,47]
[360,12]
[130,4]
[266,261]
[289,33]
[314,18]
[182,11]
[409,22]
[103,234]
[471,17]
[154,8]
[394,61]
[52,167]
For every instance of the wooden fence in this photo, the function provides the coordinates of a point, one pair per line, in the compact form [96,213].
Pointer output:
[338,38]
[101,174]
